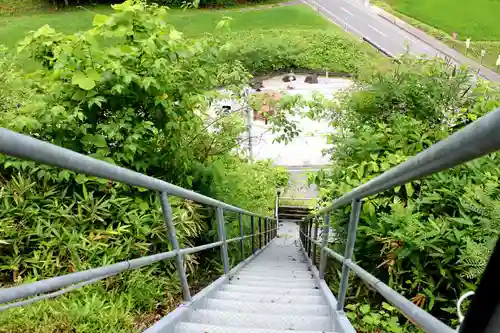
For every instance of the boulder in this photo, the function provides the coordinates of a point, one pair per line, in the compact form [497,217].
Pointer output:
[289,78]
[313,78]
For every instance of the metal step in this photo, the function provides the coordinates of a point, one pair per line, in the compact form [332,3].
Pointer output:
[275,273]
[267,308]
[271,279]
[279,266]
[270,298]
[270,290]
[203,328]
[280,322]
[295,284]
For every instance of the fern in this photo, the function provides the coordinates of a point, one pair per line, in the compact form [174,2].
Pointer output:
[474,259]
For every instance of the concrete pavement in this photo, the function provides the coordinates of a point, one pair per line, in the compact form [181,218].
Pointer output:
[385,34]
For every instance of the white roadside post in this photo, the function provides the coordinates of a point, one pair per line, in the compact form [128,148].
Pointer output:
[498,62]
[467,46]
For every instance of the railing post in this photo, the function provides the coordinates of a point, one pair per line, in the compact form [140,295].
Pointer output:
[219,214]
[309,234]
[315,236]
[172,237]
[252,226]
[265,231]
[349,248]
[324,243]
[301,233]
[242,241]
[260,233]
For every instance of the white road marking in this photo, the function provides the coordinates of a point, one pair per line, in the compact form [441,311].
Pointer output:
[345,10]
[375,29]
[341,23]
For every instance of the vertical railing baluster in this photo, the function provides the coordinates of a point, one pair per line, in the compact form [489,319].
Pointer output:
[315,236]
[172,237]
[301,233]
[351,239]
[260,233]
[309,235]
[242,241]
[265,231]
[324,243]
[219,214]
[252,226]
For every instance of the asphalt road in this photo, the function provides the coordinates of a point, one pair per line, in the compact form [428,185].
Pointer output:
[355,18]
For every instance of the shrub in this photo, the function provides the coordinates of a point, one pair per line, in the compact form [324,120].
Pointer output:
[134,92]
[262,52]
[429,239]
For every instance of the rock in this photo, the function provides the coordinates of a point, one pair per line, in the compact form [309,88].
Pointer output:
[256,84]
[289,78]
[311,79]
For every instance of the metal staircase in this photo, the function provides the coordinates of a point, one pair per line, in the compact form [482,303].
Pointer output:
[277,288]
[273,293]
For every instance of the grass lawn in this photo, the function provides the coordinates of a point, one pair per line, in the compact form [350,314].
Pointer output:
[477,19]
[191,22]
[469,19]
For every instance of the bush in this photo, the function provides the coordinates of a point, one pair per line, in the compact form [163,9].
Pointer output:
[262,52]
[134,92]
[429,239]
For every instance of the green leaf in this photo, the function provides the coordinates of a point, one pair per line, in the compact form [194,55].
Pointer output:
[409,189]
[93,75]
[83,81]
[100,19]
[80,178]
[144,205]
[388,307]
[100,141]
[365,308]
[79,95]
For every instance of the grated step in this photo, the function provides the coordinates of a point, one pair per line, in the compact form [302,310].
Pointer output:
[271,278]
[203,328]
[275,273]
[267,308]
[278,267]
[293,284]
[281,322]
[270,290]
[269,298]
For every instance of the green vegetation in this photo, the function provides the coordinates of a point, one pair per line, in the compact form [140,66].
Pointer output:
[191,22]
[430,239]
[441,18]
[470,19]
[124,91]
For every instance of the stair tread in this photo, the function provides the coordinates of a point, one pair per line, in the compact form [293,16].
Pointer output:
[270,298]
[256,277]
[270,290]
[272,321]
[204,328]
[267,308]
[298,284]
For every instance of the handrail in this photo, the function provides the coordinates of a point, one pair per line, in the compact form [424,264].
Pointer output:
[29,148]
[26,147]
[475,140]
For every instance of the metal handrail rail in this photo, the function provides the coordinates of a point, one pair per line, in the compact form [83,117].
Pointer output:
[29,148]
[475,140]
[26,147]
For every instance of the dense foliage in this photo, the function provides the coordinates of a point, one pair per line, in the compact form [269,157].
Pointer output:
[429,239]
[134,92]
[271,50]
